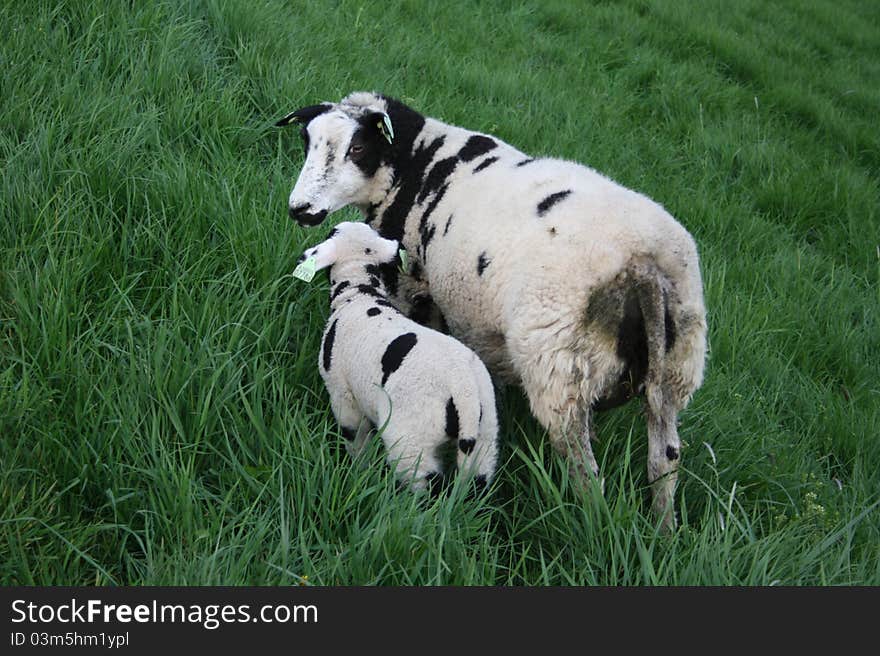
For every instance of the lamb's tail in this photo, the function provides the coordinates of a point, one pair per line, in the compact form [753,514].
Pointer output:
[471,421]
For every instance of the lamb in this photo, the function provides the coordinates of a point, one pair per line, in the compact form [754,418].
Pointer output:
[584,292]
[425,390]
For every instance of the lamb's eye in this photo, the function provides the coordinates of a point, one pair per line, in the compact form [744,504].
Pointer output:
[356,149]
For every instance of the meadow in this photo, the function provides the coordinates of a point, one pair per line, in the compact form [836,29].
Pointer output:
[162,419]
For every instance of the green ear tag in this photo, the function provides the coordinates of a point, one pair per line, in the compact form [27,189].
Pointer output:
[305,270]
[404,260]
[386,129]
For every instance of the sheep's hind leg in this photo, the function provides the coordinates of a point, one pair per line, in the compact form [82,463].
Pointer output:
[664,454]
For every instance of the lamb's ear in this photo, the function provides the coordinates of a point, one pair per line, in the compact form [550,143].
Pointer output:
[382,123]
[304,114]
[325,254]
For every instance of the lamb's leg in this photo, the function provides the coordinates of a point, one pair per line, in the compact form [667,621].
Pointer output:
[664,455]
[411,454]
[353,424]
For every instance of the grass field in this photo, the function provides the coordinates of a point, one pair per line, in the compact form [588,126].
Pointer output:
[162,420]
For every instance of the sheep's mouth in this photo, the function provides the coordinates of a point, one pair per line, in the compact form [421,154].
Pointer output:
[310,219]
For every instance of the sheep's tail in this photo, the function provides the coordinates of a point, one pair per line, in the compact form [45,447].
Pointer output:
[652,303]
[477,448]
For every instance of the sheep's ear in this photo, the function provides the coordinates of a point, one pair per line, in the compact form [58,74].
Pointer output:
[382,122]
[304,114]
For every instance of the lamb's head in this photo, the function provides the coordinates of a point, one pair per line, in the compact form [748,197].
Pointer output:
[357,251]
[347,149]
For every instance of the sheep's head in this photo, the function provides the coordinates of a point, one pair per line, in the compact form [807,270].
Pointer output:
[347,149]
[354,243]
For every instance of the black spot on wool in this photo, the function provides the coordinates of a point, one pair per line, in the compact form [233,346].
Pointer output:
[339,289]
[671,453]
[408,165]
[388,273]
[551,200]
[477,145]
[437,177]
[448,223]
[482,263]
[373,311]
[467,444]
[452,423]
[329,338]
[525,161]
[489,161]
[394,354]
[370,291]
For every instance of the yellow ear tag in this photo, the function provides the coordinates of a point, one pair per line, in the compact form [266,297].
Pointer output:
[305,270]
[404,260]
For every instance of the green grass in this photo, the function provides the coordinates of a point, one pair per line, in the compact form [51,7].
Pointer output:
[162,420]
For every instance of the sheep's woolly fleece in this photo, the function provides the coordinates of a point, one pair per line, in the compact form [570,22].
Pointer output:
[428,393]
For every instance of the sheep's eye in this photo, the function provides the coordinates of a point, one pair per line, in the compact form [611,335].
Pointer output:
[356,149]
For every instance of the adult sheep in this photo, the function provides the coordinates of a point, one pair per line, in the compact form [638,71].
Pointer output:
[584,292]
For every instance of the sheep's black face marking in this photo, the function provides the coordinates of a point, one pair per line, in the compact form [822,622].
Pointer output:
[304,136]
[367,149]
[329,338]
[373,311]
[452,424]
[467,444]
[551,200]
[482,263]
[339,289]
[671,453]
[477,145]
[395,353]
[489,161]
